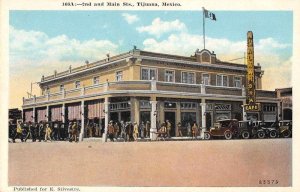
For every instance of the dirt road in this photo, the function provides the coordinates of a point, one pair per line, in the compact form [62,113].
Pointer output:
[165,163]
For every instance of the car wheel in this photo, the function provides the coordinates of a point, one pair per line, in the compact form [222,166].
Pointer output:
[273,134]
[206,136]
[245,135]
[228,135]
[261,134]
[287,133]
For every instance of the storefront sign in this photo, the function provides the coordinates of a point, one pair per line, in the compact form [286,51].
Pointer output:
[250,98]
[252,107]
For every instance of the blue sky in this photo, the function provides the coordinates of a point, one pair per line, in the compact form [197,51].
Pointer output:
[84,25]
[44,41]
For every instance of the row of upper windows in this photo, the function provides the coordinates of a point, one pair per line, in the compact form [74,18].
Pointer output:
[96,81]
[169,76]
[190,78]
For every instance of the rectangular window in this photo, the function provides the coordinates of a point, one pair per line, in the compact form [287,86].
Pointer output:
[61,87]
[119,75]
[237,82]
[205,79]
[169,76]
[148,74]
[188,77]
[77,84]
[222,80]
[96,80]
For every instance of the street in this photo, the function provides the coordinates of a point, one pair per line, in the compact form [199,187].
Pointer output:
[254,162]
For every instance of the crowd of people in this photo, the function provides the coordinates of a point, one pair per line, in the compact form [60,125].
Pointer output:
[49,131]
[126,131]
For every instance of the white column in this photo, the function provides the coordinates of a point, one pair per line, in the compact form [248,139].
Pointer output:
[82,122]
[47,113]
[33,115]
[106,115]
[63,110]
[203,115]
[153,120]
[244,111]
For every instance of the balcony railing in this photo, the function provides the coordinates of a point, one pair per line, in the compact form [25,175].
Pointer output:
[142,86]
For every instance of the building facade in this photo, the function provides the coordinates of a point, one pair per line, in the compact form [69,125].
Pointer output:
[286,103]
[140,86]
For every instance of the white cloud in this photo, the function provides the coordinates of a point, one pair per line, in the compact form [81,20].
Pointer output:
[267,53]
[129,18]
[38,46]
[33,54]
[158,27]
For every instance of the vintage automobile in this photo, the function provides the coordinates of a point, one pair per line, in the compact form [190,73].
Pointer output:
[265,129]
[285,128]
[223,128]
[245,130]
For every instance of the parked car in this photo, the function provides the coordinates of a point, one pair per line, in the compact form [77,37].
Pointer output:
[226,128]
[245,130]
[285,128]
[265,129]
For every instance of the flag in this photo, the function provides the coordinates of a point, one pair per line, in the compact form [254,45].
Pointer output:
[209,14]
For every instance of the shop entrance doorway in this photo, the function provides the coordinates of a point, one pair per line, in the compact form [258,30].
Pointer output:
[171,117]
[208,120]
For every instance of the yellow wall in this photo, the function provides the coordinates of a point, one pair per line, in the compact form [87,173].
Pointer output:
[87,80]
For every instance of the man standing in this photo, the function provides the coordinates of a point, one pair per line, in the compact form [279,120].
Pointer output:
[142,130]
[117,130]
[123,131]
[34,132]
[169,128]
[18,132]
[48,132]
[41,131]
[29,130]
[194,131]
[188,129]
[135,131]
[70,131]
[111,131]
[74,132]
[179,128]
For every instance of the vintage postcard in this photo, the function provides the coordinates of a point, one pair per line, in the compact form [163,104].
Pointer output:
[149,95]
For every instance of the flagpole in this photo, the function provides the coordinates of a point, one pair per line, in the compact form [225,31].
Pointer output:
[203,27]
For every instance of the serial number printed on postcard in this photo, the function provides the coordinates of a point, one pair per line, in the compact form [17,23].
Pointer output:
[268,181]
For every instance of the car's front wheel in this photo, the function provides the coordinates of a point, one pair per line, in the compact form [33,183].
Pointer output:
[286,133]
[261,134]
[273,134]
[228,134]
[245,135]
[206,136]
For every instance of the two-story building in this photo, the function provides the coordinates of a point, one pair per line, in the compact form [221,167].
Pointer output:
[140,86]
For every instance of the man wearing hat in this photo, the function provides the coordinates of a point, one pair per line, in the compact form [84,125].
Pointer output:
[135,131]
[18,132]
[168,128]
[74,132]
[111,131]
[48,132]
